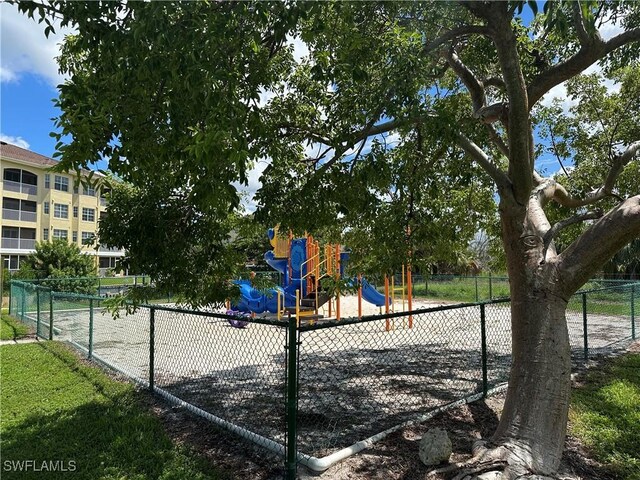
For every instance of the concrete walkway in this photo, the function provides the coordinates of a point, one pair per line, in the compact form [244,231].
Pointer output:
[19,341]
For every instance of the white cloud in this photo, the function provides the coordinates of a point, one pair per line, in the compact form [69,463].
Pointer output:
[560,91]
[17,141]
[300,49]
[25,49]
[253,184]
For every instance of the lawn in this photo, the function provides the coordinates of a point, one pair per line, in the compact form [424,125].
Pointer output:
[56,409]
[605,415]
[462,289]
[11,329]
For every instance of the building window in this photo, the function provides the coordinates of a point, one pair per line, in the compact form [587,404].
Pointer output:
[18,237]
[47,180]
[90,191]
[10,204]
[60,210]
[12,174]
[12,262]
[74,236]
[14,209]
[108,262]
[75,212]
[22,181]
[60,234]
[61,183]
[45,234]
[10,232]
[88,215]
[46,208]
[87,238]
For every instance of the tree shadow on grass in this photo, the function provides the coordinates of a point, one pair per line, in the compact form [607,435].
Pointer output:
[107,436]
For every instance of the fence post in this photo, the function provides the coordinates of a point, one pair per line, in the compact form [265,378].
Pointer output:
[292,399]
[152,347]
[50,314]
[90,327]
[490,288]
[476,279]
[24,297]
[584,326]
[483,341]
[10,294]
[633,312]
[37,311]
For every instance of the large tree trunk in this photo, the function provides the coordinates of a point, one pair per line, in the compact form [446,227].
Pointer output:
[532,428]
[533,423]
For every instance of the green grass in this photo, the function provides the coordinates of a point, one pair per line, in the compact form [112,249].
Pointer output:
[605,415]
[462,289]
[55,408]
[11,329]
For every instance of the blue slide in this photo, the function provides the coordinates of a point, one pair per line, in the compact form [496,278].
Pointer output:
[253,300]
[371,295]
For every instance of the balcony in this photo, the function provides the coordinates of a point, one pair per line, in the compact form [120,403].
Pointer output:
[18,215]
[11,186]
[18,243]
[110,250]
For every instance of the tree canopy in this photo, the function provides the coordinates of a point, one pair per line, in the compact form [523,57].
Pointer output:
[396,133]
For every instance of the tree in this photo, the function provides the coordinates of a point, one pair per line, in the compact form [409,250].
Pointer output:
[170,93]
[61,266]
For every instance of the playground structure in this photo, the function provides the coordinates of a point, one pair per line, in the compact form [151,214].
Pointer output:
[303,264]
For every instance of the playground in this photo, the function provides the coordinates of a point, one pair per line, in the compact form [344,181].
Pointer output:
[309,277]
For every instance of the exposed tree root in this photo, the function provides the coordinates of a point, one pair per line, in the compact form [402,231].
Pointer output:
[484,460]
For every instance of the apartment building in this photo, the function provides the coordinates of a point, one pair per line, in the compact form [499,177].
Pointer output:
[40,205]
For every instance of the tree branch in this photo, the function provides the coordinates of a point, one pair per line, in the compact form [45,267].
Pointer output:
[455,34]
[478,98]
[476,89]
[553,231]
[483,160]
[578,23]
[518,121]
[497,82]
[589,252]
[563,198]
[585,57]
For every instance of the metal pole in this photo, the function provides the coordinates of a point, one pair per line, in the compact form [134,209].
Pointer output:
[10,293]
[292,400]
[490,288]
[584,326]
[633,312]
[24,298]
[90,327]
[37,311]
[483,341]
[476,278]
[50,314]
[152,347]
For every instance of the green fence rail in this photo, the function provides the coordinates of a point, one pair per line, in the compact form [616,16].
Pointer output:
[304,392]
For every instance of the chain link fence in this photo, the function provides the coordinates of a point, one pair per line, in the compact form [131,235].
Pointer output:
[323,388]
[470,288]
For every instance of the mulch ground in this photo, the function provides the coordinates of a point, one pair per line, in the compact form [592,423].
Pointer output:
[393,458]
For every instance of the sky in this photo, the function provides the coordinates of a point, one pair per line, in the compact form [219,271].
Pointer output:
[29,75]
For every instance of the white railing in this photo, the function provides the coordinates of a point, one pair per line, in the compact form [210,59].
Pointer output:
[105,249]
[11,186]
[10,214]
[18,243]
